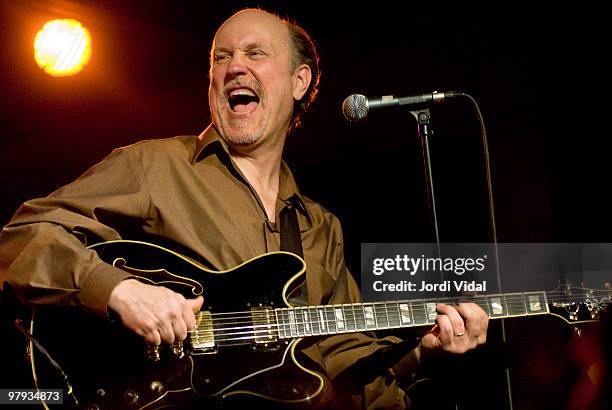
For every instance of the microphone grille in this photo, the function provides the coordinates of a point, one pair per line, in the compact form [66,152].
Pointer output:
[355,107]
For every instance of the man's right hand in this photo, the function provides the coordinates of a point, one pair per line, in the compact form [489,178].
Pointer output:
[154,312]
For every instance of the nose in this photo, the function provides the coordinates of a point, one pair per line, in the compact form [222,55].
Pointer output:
[237,65]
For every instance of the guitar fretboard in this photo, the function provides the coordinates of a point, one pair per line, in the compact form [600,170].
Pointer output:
[362,317]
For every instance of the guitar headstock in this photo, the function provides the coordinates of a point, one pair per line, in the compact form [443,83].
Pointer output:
[576,304]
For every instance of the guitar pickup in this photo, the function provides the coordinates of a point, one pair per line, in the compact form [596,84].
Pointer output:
[264,325]
[202,337]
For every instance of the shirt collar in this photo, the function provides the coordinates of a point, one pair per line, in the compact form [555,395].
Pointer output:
[208,137]
[288,191]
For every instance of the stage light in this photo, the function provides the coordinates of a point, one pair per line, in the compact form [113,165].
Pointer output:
[62,47]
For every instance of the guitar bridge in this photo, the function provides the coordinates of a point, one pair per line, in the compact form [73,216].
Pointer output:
[202,337]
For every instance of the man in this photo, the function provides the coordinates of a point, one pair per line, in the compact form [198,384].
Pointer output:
[219,196]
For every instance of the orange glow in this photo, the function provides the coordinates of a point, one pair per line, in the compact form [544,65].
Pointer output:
[62,47]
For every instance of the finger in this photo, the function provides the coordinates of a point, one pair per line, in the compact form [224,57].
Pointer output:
[188,316]
[166,331]
[180,328]
[476,321]
[435,329]
[430,341]
[196,304]
[454,317]
[472,319]
[445,331]
[153,337]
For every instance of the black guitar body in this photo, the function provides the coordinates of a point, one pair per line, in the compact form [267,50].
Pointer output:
[111,368]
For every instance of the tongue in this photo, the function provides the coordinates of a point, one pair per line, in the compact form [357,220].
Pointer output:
[244,108]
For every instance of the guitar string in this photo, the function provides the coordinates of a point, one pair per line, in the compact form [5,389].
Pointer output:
[330,309]
[550,298]
[295,332]
[268,328]
[248,316]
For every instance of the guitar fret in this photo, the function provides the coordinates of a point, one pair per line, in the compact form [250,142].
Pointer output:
[360,322]
[330,319]
[370,320]
[314,322]
[307,330]
[515,303]
[287,323]
[307,326]
[482,302]
[385,312]
[299,317]
[405,314]
[497,305]
[432,312]
[349,316]
[321,315]
[279,322]
[394,318]
[419,312]
[374,305]
[537,303]
[292,326]
[339,318]
[382,311]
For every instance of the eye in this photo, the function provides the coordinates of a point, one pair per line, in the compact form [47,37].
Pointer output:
[256,52]
[220,58]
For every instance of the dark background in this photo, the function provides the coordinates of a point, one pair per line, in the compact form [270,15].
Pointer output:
[537,74]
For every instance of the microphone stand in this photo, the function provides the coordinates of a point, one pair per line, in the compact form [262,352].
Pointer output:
[356,107]
[424,131]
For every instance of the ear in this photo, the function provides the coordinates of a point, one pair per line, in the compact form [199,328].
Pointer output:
[301,81]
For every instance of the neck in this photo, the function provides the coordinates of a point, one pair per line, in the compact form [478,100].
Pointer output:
[262,173]
[261,167]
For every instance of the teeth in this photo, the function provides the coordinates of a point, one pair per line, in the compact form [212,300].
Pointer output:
[242,91]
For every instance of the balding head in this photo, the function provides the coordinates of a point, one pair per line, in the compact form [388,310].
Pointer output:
[256,17]
[254,82]
[290,36]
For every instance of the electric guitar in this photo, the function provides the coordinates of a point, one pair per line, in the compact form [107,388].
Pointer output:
[245,344]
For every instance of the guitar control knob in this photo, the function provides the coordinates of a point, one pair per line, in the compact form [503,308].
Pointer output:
[157,387]
[130,397]
[177,348]
[153,352]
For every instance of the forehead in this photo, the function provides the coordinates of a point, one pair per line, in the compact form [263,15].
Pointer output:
[252,27]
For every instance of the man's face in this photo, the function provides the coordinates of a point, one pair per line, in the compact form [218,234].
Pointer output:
[252,87]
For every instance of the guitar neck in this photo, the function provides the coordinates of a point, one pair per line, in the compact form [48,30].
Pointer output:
[361,317]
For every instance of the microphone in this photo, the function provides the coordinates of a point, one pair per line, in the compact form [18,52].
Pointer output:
[356,106]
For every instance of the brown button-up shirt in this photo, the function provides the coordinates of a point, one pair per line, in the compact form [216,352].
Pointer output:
[185,191]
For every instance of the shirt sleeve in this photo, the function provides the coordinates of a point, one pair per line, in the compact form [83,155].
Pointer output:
[43,249]
[366,370]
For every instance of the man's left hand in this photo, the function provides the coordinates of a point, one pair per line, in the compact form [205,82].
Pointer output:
[458,329]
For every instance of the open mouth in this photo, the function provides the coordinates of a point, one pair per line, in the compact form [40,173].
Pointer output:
[243,100]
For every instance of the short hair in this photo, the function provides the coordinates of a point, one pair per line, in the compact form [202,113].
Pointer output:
[304,51]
